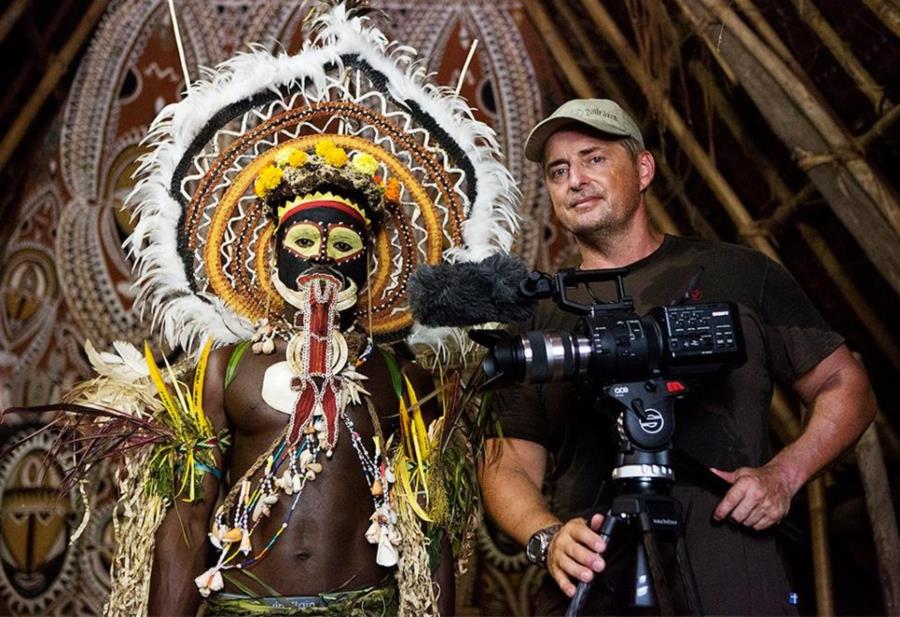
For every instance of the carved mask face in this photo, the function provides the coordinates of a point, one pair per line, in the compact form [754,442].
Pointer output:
[328,237]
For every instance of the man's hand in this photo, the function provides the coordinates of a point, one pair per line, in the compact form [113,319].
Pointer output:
[759,496]
[574,553]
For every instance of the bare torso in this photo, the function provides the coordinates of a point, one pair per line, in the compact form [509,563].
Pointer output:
[323,548]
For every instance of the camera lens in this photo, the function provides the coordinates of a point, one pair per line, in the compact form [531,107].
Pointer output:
[554,355]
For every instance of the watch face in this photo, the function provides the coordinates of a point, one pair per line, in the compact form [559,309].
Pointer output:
[536,551]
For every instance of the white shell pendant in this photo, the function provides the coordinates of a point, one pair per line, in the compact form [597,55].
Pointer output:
[276,388]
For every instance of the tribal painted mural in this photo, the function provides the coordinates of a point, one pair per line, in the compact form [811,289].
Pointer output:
[65,277]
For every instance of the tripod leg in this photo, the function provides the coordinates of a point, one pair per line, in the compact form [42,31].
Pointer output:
[660,582]
[610,523]
[691,592]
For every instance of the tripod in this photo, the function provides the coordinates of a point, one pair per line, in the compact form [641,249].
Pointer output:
[643,477]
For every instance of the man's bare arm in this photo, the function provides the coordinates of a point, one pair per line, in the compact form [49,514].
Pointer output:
[511,482]
[841,405]
[182,546]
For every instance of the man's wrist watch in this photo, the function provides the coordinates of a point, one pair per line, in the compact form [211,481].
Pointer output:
[539,543]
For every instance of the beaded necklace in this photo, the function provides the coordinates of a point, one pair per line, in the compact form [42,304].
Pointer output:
[325,382]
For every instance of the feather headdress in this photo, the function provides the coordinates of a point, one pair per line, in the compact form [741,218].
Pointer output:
[201,240]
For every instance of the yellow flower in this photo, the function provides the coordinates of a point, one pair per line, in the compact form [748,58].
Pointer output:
[336,157]
[323,146]
[392,190]
[268,179]
[298,158]
[283,155]
[365,163]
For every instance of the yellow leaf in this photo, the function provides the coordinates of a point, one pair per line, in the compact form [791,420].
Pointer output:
[164,395]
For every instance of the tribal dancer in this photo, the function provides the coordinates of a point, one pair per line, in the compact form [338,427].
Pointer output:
[282,208]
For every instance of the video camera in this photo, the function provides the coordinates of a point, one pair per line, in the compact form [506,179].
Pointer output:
[637,361]
[612,342]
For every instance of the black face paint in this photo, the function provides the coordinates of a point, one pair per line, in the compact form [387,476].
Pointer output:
[324,238]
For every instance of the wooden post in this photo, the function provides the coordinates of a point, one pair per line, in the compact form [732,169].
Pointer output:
[558,49]
[882,517]
[821,554]
[768,34]
[48,83]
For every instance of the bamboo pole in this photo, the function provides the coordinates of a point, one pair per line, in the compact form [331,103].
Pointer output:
[887,13]
[659,215]
[882,517]
[558,49]
[843,54]
[55,72]
[841,149]
[876,326]
[10,16]
[821,553]
[768,34]
[846,196]
[705,166]
[785,211]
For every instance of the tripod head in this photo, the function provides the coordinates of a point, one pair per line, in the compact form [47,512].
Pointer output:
[645,427]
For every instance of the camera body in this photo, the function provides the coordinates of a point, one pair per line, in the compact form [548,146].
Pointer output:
[612,342]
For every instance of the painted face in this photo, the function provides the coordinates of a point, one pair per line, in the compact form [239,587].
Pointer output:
[328,238]
[594,185]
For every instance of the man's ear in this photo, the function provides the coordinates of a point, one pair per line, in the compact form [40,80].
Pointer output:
[646,165]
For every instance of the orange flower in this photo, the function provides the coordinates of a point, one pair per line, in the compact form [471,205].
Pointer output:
[392,190]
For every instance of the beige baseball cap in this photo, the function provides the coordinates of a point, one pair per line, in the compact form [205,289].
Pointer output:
[603,115]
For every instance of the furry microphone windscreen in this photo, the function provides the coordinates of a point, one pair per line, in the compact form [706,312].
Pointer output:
[470,293]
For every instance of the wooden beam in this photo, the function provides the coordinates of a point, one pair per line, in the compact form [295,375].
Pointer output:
[821,551]
[882,517]
[10,16]
[55,72]
[841,148]
[877,328]
[787,210]
[863,202]
[768,34]
[843,54]
[558,49]
[887,13]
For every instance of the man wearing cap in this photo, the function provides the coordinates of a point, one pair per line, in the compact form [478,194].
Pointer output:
[597,169]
